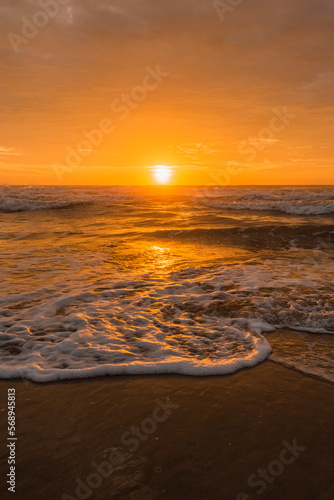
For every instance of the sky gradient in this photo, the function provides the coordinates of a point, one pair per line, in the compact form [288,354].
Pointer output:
[102,91]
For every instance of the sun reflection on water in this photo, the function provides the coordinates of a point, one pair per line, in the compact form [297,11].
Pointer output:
[159,259]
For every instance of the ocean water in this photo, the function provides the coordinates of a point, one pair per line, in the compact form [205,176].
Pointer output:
[144,280]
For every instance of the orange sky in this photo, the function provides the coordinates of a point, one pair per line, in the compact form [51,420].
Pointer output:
[101,91]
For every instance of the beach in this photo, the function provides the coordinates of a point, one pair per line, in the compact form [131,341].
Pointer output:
[220,432]
[167,342]
[166,250]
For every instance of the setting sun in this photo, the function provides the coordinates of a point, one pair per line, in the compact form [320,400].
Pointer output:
[162,174]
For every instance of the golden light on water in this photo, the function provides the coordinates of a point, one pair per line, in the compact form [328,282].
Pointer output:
[156,260]
[162,174]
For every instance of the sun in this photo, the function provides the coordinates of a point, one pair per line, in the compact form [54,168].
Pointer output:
[162,174]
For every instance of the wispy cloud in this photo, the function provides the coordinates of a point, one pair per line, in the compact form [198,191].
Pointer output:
[225,78]
[8,152]
[195,152]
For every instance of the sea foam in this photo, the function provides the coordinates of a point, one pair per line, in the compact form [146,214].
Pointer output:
[199,322]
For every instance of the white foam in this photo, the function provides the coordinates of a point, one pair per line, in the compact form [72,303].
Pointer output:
[308,201]
[66,312]
[123,337]
[31,198]
[139,325]
[291,201]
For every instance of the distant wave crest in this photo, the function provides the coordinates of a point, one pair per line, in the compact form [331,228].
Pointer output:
[29,198]
[291,201]
[294,201]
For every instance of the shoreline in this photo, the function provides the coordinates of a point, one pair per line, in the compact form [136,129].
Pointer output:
[178,436]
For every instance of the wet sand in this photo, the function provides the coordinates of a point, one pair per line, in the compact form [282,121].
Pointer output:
[217,434]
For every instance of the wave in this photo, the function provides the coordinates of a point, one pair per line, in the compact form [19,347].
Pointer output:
[196,322]
[292,208]
[309,201]
[272,236]
[292,201]
[32,198]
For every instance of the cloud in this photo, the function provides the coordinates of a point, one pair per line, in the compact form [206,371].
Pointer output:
[322,81]
[195,152]
[8,152]
[225,77]
[261,141]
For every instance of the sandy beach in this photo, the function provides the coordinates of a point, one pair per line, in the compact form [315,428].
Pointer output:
[166,250]
[176,437]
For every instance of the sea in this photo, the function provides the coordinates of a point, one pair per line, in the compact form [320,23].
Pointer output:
[191,280]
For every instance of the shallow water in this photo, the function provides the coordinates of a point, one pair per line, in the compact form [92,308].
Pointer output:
[163,280]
